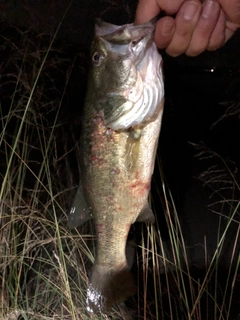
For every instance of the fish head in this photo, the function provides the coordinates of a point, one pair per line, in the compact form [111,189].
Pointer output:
[126,75]
[115,51]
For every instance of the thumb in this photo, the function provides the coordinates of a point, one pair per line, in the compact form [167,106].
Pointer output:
[146,10]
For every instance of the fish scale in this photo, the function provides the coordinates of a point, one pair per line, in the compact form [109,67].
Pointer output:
[120,129]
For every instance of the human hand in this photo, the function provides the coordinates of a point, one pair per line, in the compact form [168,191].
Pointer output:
[196,27]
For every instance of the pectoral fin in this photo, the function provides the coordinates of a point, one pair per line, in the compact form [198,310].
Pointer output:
[146,215]
[80,211]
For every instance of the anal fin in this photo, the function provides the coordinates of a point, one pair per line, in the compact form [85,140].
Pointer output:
[146,215]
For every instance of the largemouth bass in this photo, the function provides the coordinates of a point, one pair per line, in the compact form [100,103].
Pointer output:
[121,124]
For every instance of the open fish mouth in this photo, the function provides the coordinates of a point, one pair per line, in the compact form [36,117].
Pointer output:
[125,34]
[126,39]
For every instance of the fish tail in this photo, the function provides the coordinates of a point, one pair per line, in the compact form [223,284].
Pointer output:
[107,288]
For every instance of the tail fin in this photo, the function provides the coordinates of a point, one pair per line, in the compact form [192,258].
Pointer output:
[107,288]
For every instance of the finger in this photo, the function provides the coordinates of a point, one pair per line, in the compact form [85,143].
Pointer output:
[230,29]
[186,20]
[232,10]
[170,6]
[204,28]
[164,32]
[146,10]
[217,39]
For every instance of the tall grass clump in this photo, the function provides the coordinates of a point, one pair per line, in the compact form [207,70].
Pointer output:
[43,273]
[194,273]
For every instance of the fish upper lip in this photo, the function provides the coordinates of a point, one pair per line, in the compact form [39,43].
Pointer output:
[111,32]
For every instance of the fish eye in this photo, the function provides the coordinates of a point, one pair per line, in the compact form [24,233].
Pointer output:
[97,58]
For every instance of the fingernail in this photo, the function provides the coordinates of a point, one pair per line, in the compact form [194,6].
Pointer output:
[208,8]
[167,28]
[190,10]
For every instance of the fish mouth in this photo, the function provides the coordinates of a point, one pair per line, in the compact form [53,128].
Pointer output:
[127,39]
[124,34]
